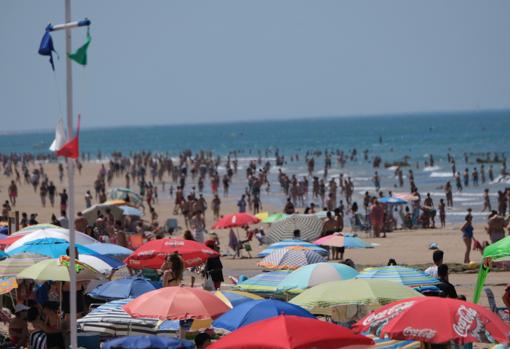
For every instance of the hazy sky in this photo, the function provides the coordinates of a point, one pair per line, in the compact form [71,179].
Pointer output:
[191,61]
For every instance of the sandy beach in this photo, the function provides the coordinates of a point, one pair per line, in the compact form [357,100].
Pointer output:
[407,247]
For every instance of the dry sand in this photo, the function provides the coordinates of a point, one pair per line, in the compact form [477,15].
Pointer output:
[408,247]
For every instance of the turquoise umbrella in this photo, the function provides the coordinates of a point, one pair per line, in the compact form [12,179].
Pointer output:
[404,275]
[315,274]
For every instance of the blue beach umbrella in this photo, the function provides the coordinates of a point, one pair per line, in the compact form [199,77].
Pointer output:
[256,310]
[123,288]
[404,275]
[130,211]
[148,342]
[55,248]
[391,200]
[315,274]
[109,249]
[291,243]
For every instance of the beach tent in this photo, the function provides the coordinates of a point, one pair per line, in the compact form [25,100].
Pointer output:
[92,212]
[127,195]
[496,252]
[310,227]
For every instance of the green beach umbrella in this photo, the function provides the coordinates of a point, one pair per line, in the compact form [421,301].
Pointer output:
[12,266]
[353,291]
[275,218]
[57,270]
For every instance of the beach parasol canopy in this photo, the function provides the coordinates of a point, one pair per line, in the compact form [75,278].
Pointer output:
[404,275]
[92,212]
[58,270]
[110,319]
[12,266]
[392,200]
[310,227]
[177,303]
[342,240]
[131,287]
[256,310]
[290,243]
[131,211]
[234,298]
[235,220]
[276,217]
[353,291]
[55,233]
[287,331]
[148,342]
[262,215]
[111,250]
[152,254]
[262,283]
[408,197]
[127,195]
[290,258]
[436,320]
[315,274]
[498,251]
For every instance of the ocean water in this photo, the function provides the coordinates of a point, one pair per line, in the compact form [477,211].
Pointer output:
[415,136]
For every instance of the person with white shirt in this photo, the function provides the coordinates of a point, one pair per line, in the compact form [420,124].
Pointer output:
[437,258]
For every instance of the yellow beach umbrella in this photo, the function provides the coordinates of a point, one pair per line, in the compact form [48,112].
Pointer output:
[262,215]
[233,298]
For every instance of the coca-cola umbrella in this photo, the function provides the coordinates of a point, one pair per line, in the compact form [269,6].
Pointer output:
[153,253]
[435,320]
[235,220]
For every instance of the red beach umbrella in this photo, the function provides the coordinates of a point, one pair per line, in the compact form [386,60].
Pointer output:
[235,220]
[286,331]
[176,303]
[435,320]
[152,254]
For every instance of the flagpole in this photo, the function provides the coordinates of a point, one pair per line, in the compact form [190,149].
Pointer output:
[70,175]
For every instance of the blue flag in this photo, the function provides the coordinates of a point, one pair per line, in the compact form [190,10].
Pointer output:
[46,48]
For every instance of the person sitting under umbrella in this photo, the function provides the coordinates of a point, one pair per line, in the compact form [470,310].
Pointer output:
[445,286]
[173,270]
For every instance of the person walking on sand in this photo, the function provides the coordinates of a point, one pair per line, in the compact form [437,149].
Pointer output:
[442,213]
[467,236]
[13,193]
[377,218]
[496,227]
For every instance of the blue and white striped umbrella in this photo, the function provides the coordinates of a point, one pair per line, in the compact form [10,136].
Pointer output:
[404,275]
[291,258]
[263,283]
[290,243]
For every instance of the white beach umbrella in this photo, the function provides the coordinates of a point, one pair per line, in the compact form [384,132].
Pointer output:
[56,233]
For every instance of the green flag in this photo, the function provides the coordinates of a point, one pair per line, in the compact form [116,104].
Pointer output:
[80,55]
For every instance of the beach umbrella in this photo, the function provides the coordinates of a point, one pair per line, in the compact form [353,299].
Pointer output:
[45,233]
[436,320]
[58,270]
[262,215]
[111,250]
[262,283]
[130,287]
[256,310]
[31,228]
[388,343]
[353,291]
[290,258]
[287,331]
[130,211]
[275,218]
[177,303]
[310,227]
[406,276]
[127,195]
[290,243]
[342,240]
[392,200]
[234,298]
[148,342]
[235,220]
[92,212]
[110,319]
[405,196]
[12,266]
[152,254]
[315,274]
[98,262]
[55,248]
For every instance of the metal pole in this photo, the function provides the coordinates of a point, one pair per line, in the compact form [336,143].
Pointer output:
[70,175]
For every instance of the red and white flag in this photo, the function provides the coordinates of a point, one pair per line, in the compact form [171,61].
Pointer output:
[60,145]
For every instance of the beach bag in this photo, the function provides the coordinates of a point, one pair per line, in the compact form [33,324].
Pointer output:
[208,283]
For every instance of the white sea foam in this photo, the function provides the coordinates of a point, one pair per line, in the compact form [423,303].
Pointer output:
[441,174]
[501,179]
[431,168]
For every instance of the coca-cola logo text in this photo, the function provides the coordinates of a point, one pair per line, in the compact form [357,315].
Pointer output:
[465,320]
[387,314]
[419,333]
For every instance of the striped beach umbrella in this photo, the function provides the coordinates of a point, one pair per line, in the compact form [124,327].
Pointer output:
[290,258]
[315,274]
[290,243]
[51,233]
[263,283]
[310,227]
[111,319]
[12,266]
[406,276]
[342,240]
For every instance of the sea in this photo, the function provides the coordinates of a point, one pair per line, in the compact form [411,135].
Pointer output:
[465,135]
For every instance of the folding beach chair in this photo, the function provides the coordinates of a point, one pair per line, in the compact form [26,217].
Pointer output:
[501,312]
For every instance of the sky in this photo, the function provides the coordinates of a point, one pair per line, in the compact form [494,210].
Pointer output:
[167,62]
